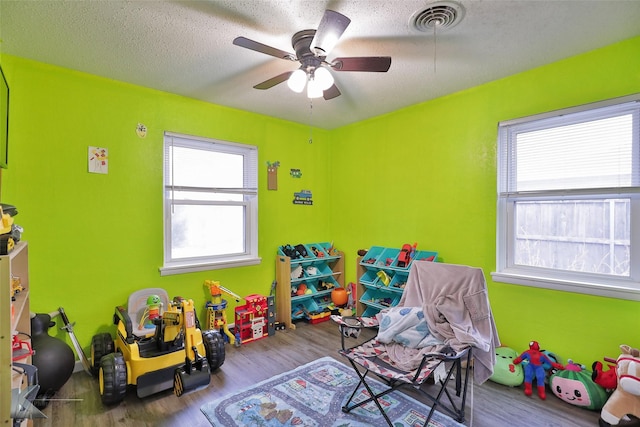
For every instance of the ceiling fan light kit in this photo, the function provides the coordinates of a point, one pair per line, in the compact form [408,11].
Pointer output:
[297,80]
[323,78]
[314,90]
[317,81]
[312,48]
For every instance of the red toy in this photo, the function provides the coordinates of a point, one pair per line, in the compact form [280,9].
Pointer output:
[606,379]
[253,318]
[538,363]
[21,349]
[406,253]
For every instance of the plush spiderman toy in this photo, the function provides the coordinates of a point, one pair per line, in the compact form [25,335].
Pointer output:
[538,364]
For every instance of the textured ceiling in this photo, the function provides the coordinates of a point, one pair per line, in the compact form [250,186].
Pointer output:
[185,47]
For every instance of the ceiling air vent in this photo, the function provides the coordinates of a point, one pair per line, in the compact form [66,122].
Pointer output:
[437,16]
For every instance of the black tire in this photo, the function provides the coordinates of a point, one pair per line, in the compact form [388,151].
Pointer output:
[101,345]
[214,345]
[113,378]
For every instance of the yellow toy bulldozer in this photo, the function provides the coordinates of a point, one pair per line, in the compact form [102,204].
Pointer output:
[158,345]
[10,233]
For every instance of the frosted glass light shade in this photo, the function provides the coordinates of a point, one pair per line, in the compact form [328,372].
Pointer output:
[297,80]
[313,89]
[323,78]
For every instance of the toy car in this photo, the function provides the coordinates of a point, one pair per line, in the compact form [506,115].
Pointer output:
[155,350]
[404,257]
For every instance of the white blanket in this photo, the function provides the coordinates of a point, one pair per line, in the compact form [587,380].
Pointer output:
[406,326]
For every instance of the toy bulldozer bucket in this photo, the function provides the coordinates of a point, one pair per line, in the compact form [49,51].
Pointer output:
[192,375]
[195,373]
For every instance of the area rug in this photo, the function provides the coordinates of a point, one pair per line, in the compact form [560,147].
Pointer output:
[313,395]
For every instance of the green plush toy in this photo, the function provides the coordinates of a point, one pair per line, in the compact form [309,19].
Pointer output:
[505,372]
[575,386]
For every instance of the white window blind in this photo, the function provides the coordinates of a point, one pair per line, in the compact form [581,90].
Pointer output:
[568,199]
[210,193]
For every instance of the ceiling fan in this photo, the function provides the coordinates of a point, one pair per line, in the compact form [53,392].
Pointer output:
[312,48]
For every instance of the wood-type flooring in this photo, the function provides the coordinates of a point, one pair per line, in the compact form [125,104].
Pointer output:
[488,405]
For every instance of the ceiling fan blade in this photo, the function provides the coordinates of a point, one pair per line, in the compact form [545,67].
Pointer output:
[263,48]
[362,63]
[331,93]
[329,31]
[273,81]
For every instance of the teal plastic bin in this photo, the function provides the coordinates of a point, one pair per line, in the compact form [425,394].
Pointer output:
[370,259]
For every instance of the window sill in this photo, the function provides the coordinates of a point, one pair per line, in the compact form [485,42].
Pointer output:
[621,289]
[192,268]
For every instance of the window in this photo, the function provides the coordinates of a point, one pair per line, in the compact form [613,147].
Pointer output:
[210,204]
[569,200]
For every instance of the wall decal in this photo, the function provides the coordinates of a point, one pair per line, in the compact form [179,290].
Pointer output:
[98,160]
[141,130]
[296,173]
[272,175]
[303,197]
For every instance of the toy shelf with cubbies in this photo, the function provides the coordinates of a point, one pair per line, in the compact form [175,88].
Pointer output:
[382,275]
[305,275]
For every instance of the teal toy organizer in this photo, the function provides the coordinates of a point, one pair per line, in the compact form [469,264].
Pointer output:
[381,277]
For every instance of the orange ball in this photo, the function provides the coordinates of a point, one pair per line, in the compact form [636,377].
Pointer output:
[339,296]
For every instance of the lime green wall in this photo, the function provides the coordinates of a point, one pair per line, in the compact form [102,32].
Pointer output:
[427,174]
[423,174]
[94,239]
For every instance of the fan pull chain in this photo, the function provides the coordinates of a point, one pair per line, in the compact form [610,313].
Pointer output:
[310,120]
[435,46]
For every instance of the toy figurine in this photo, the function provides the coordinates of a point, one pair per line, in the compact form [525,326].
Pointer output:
[151,312]
[536,366]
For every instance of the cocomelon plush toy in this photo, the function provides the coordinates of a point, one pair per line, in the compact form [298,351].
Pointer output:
[536,367]
[625,400]
[575,386]
[506,372]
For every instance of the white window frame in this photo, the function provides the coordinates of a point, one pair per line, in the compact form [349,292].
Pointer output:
[593,284]
[250,202]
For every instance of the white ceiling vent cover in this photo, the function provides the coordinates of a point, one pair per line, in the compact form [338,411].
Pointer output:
[437,16]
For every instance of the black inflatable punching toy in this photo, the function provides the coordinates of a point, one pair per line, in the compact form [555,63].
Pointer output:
[53,358]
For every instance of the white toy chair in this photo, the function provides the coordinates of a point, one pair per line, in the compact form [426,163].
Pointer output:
[137,305]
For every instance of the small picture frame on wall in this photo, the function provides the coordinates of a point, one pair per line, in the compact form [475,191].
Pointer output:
[272,175]
[98,158]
